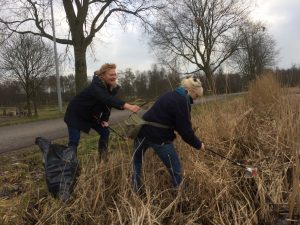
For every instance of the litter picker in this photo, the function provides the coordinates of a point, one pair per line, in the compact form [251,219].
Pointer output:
[249,170]
[113,130]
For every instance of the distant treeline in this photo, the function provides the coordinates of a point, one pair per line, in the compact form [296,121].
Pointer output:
[144,85]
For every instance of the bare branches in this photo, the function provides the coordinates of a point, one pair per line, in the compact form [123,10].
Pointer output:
[84,19]
[26,18]
[256,50]
[198,32]
[28,60]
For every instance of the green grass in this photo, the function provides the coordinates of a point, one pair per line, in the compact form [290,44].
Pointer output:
[44,113]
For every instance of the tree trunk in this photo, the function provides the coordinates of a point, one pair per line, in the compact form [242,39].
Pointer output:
[27,92]
[28,105]
[80,68]
[211,84]
[35,104]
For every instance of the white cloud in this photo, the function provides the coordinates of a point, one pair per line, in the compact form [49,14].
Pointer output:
[129,48]
[126,48]
[281,18]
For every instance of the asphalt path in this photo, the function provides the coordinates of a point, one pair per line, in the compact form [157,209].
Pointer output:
[20,136]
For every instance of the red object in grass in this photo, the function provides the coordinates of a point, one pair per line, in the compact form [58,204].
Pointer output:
[251,171]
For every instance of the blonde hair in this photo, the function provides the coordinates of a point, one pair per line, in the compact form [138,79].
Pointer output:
[104,68]
[193,84]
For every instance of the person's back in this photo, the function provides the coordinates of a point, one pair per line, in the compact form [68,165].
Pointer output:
[172,109]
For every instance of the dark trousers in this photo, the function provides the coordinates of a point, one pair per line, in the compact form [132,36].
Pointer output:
[165,152]
[74,137]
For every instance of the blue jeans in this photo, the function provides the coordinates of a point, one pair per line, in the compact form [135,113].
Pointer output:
[165,152]
[74,136]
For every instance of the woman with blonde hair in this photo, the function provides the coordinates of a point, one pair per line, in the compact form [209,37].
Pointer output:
[172,109]
[91,108]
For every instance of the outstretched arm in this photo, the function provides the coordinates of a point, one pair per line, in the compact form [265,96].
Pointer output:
[132,108]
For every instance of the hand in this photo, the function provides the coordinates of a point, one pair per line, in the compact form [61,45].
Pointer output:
[132,108]
[195,128]
[201,154]
[104,124]
[202,147]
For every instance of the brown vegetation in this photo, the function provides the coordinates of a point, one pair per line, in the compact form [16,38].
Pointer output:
[262,129]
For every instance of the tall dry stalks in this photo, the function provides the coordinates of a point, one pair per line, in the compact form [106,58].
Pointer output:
[262,130]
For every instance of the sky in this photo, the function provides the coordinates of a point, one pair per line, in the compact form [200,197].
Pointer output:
[129,48]
[282,19]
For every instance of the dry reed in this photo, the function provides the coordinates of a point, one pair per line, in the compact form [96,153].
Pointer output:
[262,129]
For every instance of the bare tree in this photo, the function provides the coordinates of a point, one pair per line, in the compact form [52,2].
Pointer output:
[141,85]
[256,52]
[84,19]
[68,85]
[198,33]
[29,60]
[9,93]
[126,82]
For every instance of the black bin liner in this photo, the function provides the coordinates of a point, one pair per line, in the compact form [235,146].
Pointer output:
[61,168]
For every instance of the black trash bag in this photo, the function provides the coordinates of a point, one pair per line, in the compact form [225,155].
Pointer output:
[61,168]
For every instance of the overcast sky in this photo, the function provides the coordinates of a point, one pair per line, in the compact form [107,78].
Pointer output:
[282,18]
[129,49]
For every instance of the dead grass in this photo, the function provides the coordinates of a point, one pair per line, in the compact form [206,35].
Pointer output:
[262,129]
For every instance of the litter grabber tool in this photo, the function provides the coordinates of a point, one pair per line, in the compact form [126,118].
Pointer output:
[250,171]
[121,136]
[113,130]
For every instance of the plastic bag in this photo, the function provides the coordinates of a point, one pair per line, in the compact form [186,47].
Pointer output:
[61,168]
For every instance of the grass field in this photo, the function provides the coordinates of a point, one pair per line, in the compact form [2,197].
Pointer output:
[46,112]
[262,129]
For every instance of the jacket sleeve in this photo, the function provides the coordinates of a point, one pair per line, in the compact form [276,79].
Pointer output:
[106,114]
[103,95]
[183,124]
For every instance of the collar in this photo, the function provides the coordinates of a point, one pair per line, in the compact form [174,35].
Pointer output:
[184,93]
[181,91]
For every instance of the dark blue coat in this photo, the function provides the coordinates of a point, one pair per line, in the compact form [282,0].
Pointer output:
[96,99]
[171,109]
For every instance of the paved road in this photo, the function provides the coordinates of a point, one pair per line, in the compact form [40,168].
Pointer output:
[20,136]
